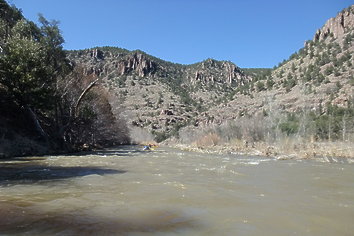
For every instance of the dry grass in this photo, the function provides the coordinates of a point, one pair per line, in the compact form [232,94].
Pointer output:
[300,148]
[210,139]
[283,149]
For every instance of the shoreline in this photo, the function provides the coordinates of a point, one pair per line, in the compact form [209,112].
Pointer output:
[333,152]
[328,152]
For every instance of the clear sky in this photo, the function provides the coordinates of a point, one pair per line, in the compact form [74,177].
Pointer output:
[250,33]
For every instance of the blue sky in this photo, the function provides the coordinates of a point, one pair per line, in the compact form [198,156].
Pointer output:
[250,33]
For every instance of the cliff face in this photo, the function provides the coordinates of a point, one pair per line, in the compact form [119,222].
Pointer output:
[101,62]
[212,71]
[138,63]
[337,26]
[104,61]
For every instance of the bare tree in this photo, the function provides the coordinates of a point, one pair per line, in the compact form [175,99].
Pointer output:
[84,114]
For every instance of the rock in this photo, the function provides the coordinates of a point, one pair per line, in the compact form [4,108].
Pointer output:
[166,112]
[212,71]
[337,26]
[97,54]
[138,63]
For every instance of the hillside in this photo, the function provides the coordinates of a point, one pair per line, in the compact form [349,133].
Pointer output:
[311,93]
[161,96]
[322,71]
[319,73]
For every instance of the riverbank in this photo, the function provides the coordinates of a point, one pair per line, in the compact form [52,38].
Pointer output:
[287,149]
[22,146]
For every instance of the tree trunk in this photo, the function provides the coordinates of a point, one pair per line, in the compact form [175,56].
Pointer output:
[36,123]
[83,94]
[329,128]
[344,127]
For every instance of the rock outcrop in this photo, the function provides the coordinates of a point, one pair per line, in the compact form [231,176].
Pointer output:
[136,62]
[118,62]
[97,54]
[337,26]
[212,71]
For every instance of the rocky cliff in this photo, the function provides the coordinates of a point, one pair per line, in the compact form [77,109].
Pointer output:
[212,71]
[120,62]
[337,26]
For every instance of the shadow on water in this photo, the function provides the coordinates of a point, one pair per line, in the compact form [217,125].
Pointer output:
[29,170]
[127,150]
[29,173]
[35,222]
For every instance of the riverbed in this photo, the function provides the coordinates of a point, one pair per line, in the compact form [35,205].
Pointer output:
[127,191]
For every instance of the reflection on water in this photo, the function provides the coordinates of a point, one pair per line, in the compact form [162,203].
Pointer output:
[170,192]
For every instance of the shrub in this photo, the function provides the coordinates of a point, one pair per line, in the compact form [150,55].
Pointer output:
[291,126]
[260,86]
[160,136]
[270,83]
[329,70]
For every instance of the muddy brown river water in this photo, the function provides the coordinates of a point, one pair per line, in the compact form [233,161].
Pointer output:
[125,191]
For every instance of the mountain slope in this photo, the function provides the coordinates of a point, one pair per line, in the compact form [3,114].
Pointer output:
[318,74]
[162,97]
[157,95]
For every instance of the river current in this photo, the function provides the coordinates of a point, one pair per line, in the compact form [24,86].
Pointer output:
[126,191]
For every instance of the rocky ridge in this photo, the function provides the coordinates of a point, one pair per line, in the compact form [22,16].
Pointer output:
[337,26]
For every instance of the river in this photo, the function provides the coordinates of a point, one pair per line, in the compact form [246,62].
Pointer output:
[125,191]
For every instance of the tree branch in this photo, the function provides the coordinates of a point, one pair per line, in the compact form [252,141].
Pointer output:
[83,94]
